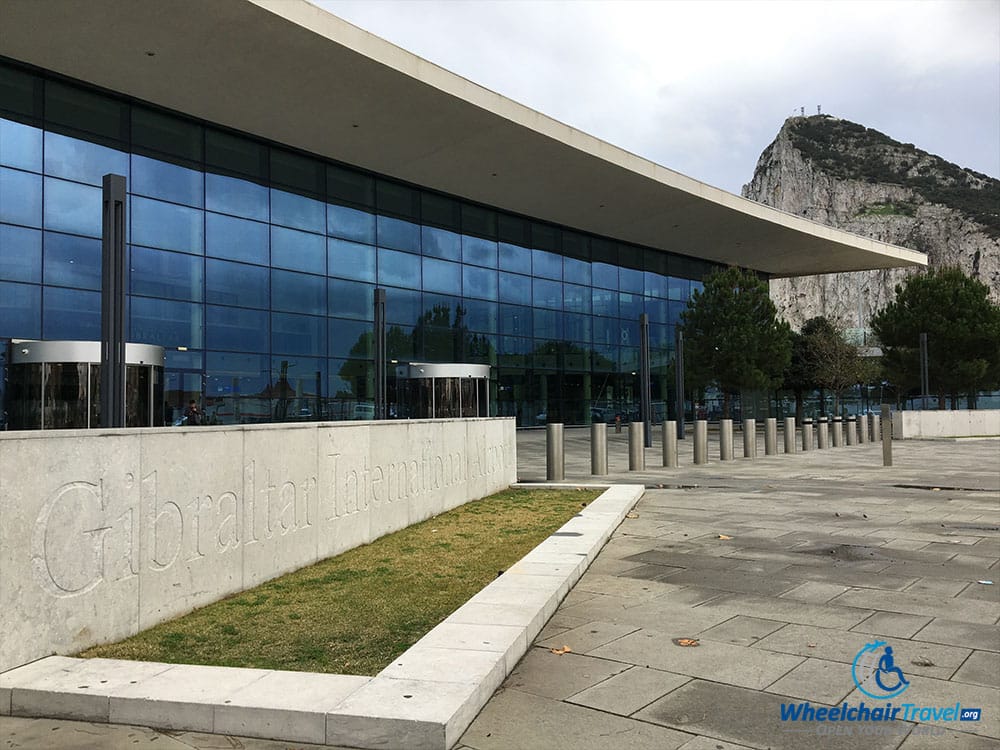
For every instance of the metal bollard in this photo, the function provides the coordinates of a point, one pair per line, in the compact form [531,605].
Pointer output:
[822,434]
[886,435]
[852,430]
[670,443]
[770,436]
[725,440]
[636,447]
[599,449]
[789,434]
[876,428]
[750,438]
[838,432]
[700,441]
[555,457]
[807,435]
[862,428]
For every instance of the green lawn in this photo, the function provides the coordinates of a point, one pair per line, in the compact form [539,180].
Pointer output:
[355,613]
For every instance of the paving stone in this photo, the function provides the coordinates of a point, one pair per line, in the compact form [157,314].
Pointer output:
[559,676]
[951,569]
[741,631]
[760,567]
[815,592]
[627,692]
[983,592]
[651,572]
[710,743]
[914,657]
[816,680]
[968,610]
[970,635]
[981,668]
[739,715]
[732,580]
[850,576]
[941,587]
[788,610]
[892,624]
[588,637]
[515,720]
[711,660]
[935,738]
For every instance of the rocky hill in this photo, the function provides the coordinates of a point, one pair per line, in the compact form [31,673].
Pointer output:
[857,179]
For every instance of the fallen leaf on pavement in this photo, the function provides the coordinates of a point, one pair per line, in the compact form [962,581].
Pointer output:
[810,645]
[723,536]
[632,515]
[686,642]
[561,651]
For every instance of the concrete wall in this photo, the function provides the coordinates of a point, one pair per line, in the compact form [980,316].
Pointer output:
[105,533]
[959,423]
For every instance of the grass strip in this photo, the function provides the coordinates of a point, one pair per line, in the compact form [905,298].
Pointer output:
[355,613]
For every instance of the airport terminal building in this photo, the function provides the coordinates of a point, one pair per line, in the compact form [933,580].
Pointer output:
[281,164]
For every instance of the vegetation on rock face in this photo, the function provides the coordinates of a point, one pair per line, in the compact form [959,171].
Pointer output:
[963,334]
[848,151]
[733,336]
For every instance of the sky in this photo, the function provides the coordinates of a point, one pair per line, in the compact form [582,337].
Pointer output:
[703,87]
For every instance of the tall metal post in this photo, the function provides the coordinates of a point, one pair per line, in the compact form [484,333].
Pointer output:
[380,374]
[925,385]
[113,283]
[644,394]
[679,379]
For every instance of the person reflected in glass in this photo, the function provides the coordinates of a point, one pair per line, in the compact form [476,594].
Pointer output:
[192,415]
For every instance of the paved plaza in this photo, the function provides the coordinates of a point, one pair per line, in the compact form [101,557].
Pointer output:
[780,569]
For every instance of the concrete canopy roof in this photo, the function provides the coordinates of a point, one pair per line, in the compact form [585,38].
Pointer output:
[290,72]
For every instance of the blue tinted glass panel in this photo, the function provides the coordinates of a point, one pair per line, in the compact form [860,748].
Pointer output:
[654,285]
[604,275]
[20,254]
[21,311]
[349,299]
[293,210]
[166,323]
[660,336]
[442,276]
[72,261]
[235,329]
[605,331]
[298,334]
[157,273]
[398,269]
[73,208]
[544,263]
[605,302]
[441,243]
[81,160]
[20,198]
[630,280]
[629,332]
[236,239]
[676,308]
[680,289]
[298,292]
[160,179]
[696,286]
[479,251]
[515,320]
[229,195]
[351,338]
[300,251]
[630,306]
[166,225]
[350,224]
[577,271]
[605,356]
[548,324]
[403,306]
[351,260]
[547,294]
[515,345]
[20,146]
[399,234]
[236,284]
[479,282]
[515,258]
[481,316]
[577,298]
[71,314]
[577,327]
[515,288]
[656,309]
[629,358]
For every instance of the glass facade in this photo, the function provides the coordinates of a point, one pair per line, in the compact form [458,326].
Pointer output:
[253,265]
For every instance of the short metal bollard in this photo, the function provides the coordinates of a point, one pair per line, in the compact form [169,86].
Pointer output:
[876,428]
[725,440]
[670,443]
[750,438]
[700,441]
[838,432]
[822,434]
[852,430]
[807,435]
[599,449]
[555,456]
[789,434]
[862,428]
[770,436]
[636,447]
[886,420]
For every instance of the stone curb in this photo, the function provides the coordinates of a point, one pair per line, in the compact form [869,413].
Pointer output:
[424,700]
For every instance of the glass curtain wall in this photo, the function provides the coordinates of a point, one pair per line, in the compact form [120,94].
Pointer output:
[254,265]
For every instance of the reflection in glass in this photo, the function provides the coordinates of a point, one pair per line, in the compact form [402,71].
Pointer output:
[350,224]
[20,198]
[398,269]
[236,284]
[351,260]
[166,323]
[166,181]
[293,210]
[229,195]
[164,225]
[236,328]
[479,282]
[158,273]
[349,299]
[442,276]
[81,161]
[20,254]
[399,234]
[236,239]
[300,251]
[440,243]
[72,261]
[72,314]
[20,311]
[298,334]
[20,146]
[298,292]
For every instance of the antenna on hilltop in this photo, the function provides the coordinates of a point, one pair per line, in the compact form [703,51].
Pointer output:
[802,111]
[819,110]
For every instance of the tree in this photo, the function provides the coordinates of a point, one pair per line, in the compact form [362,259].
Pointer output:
[733,336]
[963,334]
[799,374]
[836,364]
